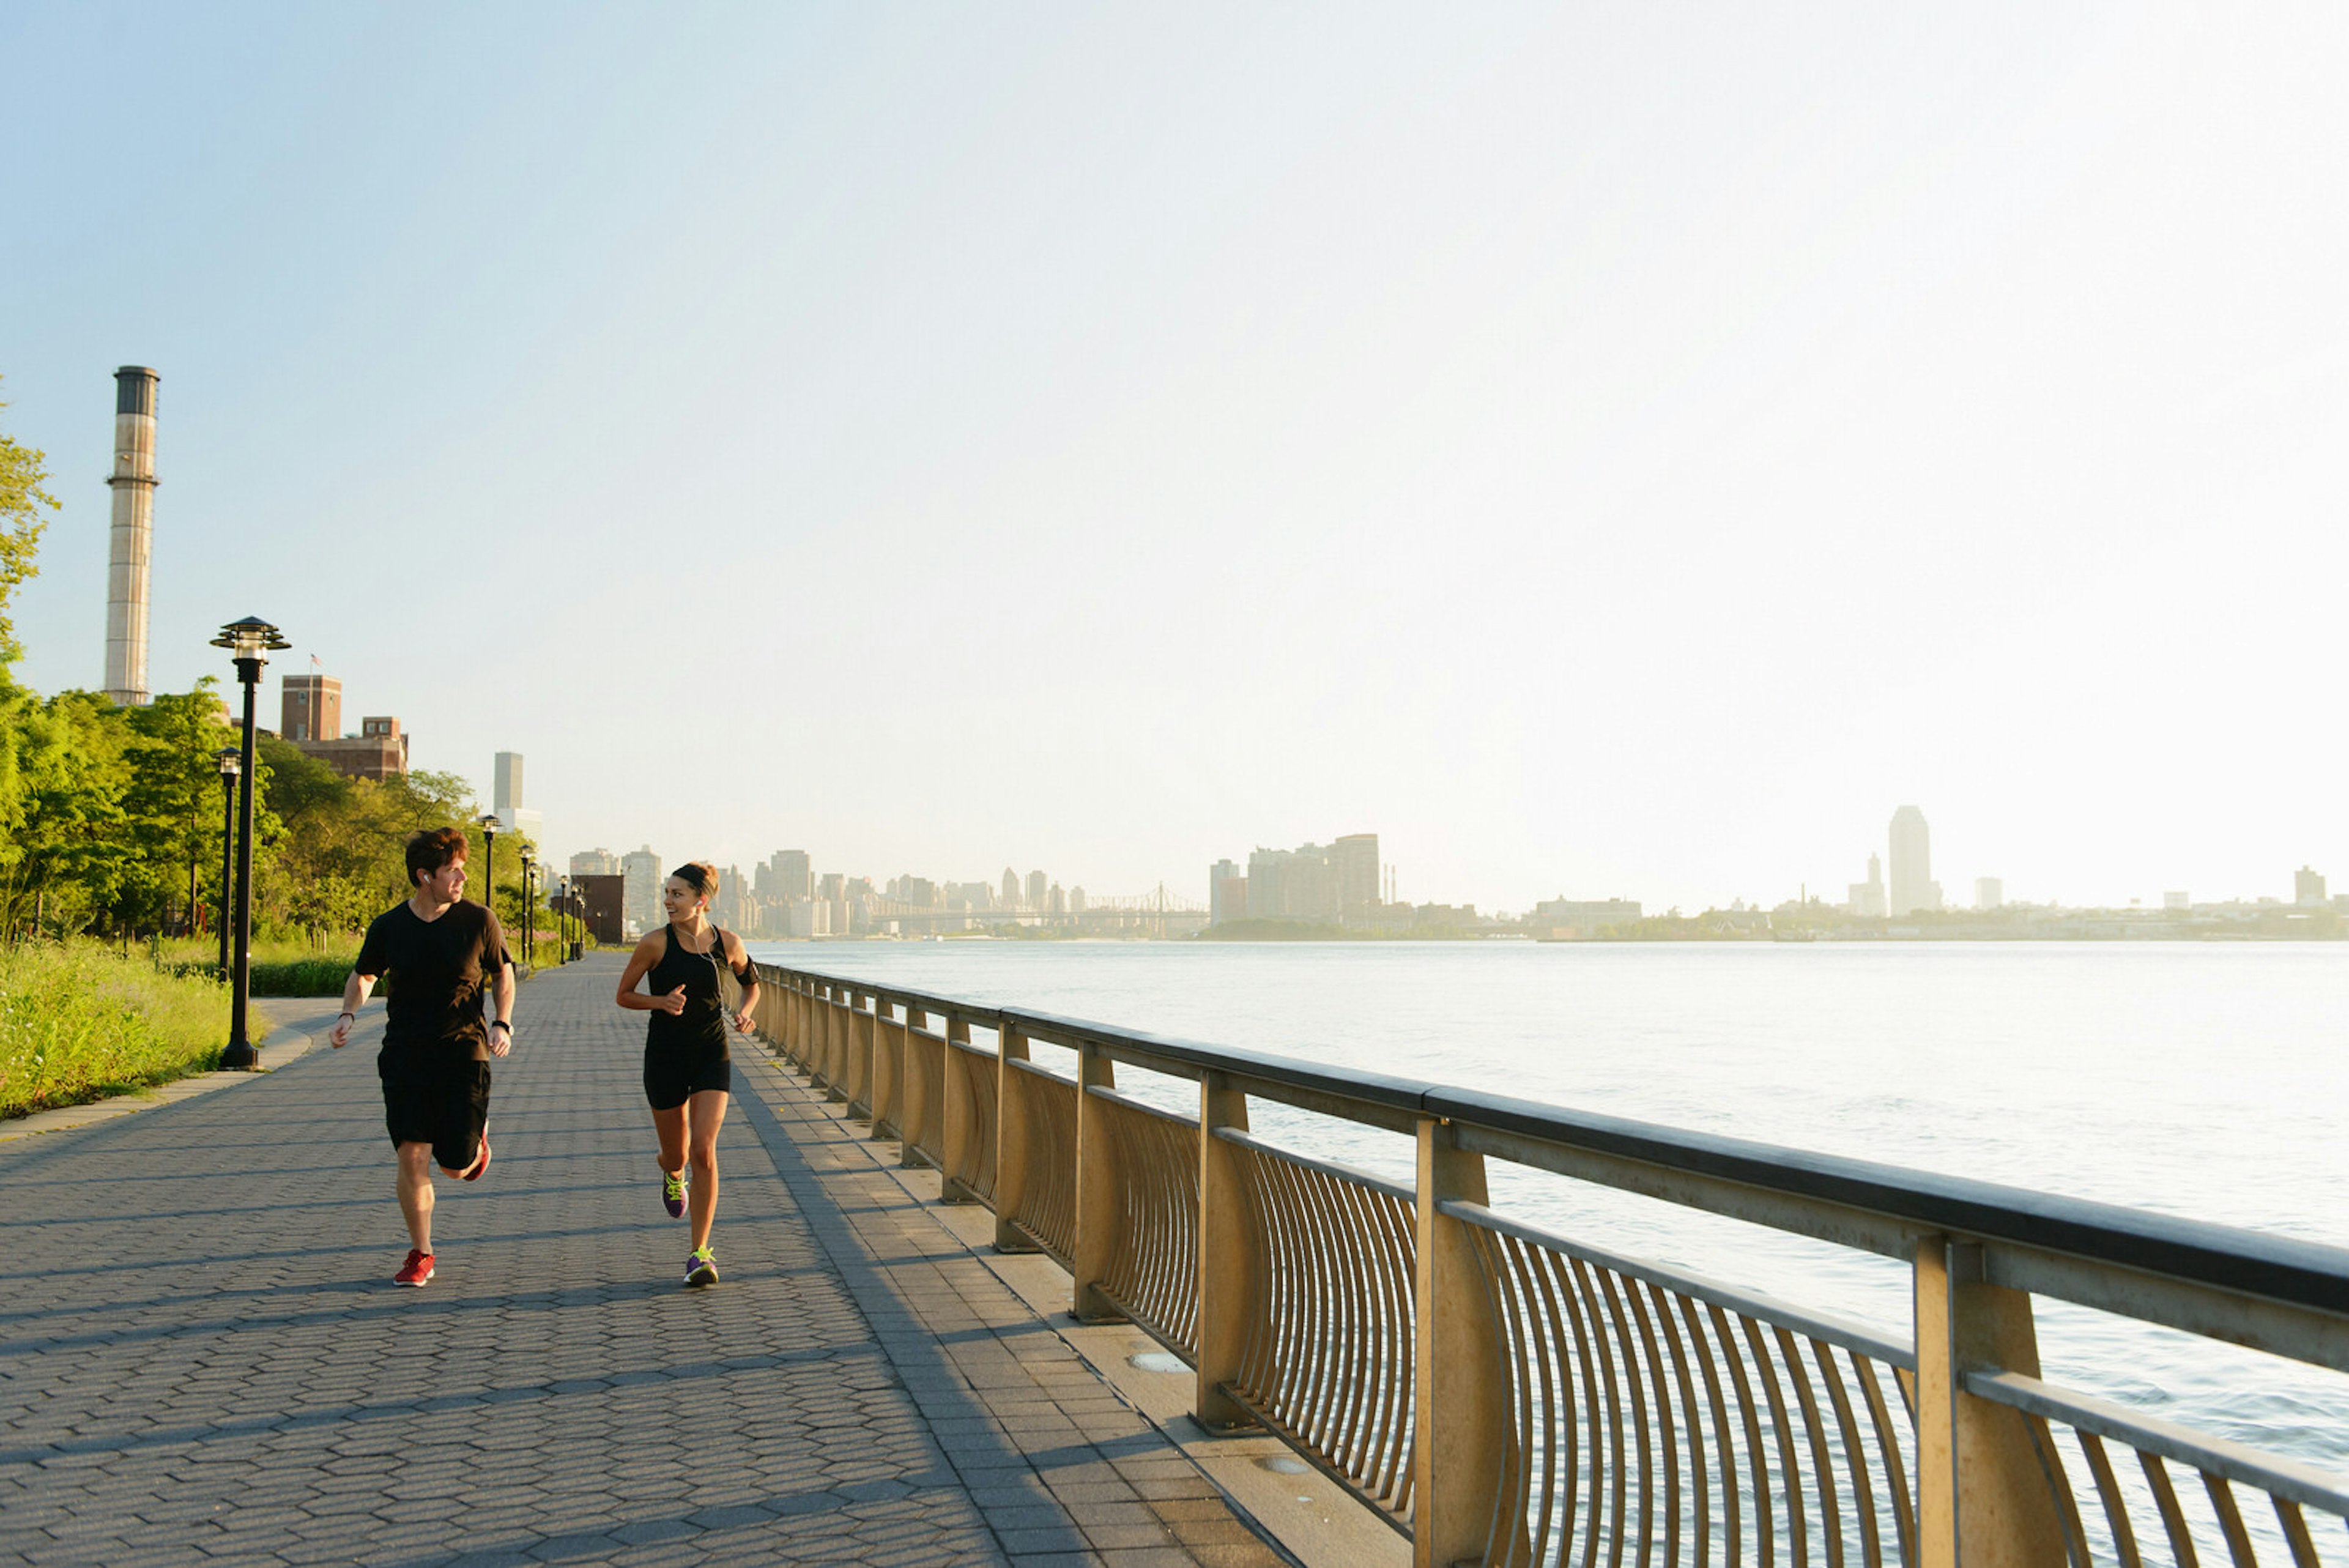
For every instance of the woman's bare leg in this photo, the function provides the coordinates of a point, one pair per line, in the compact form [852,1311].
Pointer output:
[708,1113]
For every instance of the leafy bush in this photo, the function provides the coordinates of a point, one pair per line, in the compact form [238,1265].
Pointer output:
[78,1023]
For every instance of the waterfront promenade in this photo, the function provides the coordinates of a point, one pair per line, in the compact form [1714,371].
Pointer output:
[203,1358]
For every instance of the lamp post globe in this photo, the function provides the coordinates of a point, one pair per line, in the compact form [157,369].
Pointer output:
[232,767]
[249,642]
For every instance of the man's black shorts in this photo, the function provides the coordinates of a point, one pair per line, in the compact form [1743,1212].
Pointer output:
[437,1101]
[675,1073]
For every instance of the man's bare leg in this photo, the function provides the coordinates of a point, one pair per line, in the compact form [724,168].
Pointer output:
[416,1193]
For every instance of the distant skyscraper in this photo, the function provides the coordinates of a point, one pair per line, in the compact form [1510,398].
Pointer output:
[595,863]
[1354,863]
[1037,885]
[794,874]
[2307,889]
[1990,893]
[507,792]
[2176,899]
[1227,893]
[640,871]
[1011,888]
[1912,888]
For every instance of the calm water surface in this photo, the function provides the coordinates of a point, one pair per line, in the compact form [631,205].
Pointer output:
[2199,1080]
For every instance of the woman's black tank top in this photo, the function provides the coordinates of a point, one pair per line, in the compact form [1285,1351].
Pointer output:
[703,1022]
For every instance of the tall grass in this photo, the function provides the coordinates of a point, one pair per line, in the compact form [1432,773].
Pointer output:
[80,1022]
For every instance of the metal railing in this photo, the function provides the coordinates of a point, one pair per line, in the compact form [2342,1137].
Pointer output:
[1502,1394]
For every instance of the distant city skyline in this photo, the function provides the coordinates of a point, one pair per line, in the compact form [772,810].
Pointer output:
[1603,455]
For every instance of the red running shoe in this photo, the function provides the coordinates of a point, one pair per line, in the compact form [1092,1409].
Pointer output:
[473,1172]
[416,1271]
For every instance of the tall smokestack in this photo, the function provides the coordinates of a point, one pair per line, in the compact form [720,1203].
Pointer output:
[133,483]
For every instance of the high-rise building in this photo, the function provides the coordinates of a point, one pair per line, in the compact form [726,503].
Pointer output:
[506,792]
[794,874]
[1011,888]
[1076,900]
[1227,893]
[1913,888]
[1990,893]
[1868,900]
[1037,885]
[309,708]
[2177,898]
[2307,889]
[640,905]
[595,863]
[1354,867]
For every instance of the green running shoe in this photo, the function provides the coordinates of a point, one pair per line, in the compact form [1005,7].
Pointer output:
[673,1192]
[702,1268]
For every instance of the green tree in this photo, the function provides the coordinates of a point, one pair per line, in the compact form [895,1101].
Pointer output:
[22,499]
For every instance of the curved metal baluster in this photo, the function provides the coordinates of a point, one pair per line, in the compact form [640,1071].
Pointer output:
[1667,1436]
[1557,1309]
[1790,1465]
[1758,1459]
[1254,1373]
[2050,1466]
[1617,1491]
[1537,1418]
[2230,1520]
[1693,1421]
[1822,1461]
[2108,1488]
[1361,1434]
[1594,1420]
[1401,1280]
[1291,1314]
[1327,1347]
[2296,1531]
[1862,1495]
[1636,1385]
[1724,1439]
[1887,1445]
[2173,1518]
[1503,1264]
[1349,1430]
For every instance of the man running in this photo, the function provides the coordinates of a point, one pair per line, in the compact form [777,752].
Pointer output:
[443,953]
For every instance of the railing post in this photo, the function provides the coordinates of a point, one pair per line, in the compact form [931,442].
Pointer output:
[1459,1438]
[862,1048]
[1982,1499]
[835,1043]
[958,1121]
[1011,1141]
[1097,1205]
[913,1089]
[1227,1256]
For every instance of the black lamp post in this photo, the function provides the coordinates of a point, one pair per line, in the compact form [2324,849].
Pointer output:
[490,854]
[529,913]
[232,765]
[248,639]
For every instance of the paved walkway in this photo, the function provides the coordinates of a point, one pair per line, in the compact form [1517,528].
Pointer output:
[202,1359]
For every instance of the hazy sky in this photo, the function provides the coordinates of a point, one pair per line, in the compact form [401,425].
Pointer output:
[1601,449]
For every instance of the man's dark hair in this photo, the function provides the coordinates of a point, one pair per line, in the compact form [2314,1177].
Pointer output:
[431,849]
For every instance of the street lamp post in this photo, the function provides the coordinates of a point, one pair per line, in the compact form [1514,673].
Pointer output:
[490,854]
[529,914]
[232,765]
[248,639]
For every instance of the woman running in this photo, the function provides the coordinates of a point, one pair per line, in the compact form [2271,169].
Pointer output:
[687,1073]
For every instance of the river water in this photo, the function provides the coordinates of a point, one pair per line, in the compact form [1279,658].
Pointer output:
[2204,1080]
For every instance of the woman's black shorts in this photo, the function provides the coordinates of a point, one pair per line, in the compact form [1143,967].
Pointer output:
[674,1073]
[429,1098]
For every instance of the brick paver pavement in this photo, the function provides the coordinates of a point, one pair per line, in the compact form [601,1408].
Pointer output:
[203,1358]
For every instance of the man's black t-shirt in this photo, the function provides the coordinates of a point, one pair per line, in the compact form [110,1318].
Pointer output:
[439,968]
